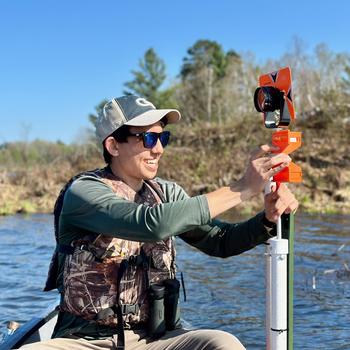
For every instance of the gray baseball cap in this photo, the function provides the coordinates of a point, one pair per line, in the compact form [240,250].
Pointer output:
[130,110]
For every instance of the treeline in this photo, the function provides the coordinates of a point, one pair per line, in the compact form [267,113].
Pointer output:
[215,87]
[214,92]
[41,152]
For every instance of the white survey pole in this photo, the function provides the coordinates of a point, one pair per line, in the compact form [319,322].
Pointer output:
[268,295]
[279,300]
[276,289]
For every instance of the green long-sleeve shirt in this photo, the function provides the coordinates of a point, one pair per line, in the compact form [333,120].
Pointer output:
[91,206]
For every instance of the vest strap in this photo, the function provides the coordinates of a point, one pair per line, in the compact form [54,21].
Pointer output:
[136,260]
[69,249]
[130,309]
[112,311]
[65,249]
[155,187]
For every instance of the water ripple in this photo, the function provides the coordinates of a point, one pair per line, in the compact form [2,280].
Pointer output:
[226,294]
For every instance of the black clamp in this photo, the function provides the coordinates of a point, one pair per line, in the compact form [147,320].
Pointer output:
[280,331]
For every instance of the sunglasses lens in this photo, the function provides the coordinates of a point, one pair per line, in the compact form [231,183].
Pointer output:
[164,138]
[150,138]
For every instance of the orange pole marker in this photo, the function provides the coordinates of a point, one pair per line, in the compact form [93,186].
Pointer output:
[287,141]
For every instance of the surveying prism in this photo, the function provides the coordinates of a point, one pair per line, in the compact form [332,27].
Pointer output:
[274,99]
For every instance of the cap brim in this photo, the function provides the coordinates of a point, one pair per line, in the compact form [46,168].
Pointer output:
[153,116]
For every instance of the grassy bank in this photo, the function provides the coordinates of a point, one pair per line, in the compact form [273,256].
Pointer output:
[200,159]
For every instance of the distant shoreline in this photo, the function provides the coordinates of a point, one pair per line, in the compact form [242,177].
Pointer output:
[201,160]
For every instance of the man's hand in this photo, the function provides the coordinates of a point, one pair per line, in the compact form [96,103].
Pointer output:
[261,167]
[279,201]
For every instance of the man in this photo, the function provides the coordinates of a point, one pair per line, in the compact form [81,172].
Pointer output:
[115,264]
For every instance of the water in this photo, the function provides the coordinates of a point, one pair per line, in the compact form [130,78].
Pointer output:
[226,294]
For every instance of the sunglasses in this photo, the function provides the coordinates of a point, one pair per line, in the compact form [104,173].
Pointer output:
[150,138]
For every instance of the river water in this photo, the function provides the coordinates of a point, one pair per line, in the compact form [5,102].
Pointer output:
[226,294]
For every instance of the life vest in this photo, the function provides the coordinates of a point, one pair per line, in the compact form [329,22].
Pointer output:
[101,271]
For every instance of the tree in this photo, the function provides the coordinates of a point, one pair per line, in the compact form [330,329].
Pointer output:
[345,80]
[90,133]
[317,76]
[93,117]
[205,74]
[149,79]
[205,54]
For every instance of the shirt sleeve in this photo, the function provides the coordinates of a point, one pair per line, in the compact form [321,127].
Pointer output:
[91,205]
[223,239]
[219,238]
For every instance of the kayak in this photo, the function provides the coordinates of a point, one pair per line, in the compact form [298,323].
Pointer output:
[37,329]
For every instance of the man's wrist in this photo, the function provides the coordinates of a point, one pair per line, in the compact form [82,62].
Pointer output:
[245,192]
[267,223]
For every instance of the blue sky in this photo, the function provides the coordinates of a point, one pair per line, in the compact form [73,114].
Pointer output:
[59,59]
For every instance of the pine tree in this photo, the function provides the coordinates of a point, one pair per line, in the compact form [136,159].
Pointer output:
[149,79]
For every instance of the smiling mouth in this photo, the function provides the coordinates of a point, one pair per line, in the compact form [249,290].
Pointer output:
[152,164]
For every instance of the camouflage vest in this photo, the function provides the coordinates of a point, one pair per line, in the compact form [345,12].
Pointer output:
[102,267]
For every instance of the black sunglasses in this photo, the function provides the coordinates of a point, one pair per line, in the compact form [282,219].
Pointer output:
[150,138]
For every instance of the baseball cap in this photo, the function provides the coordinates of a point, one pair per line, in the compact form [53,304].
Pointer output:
[130,110]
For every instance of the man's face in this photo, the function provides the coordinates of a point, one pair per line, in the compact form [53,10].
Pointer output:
[135,162]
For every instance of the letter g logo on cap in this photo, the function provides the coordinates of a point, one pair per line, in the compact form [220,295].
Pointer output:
[144,103]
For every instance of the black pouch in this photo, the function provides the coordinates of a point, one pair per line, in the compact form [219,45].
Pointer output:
[171,304]
[156,321]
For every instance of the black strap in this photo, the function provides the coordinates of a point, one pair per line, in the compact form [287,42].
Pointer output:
[136,260]
[51,281]
[65,249]
[121,334]
[59,201]
[183,286]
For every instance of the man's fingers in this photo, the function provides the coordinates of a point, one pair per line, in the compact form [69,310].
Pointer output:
[273,187]
[263,150]
[276,160]
[285,205]
[292,207]
[279,202]
[285,209]
[277,169]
